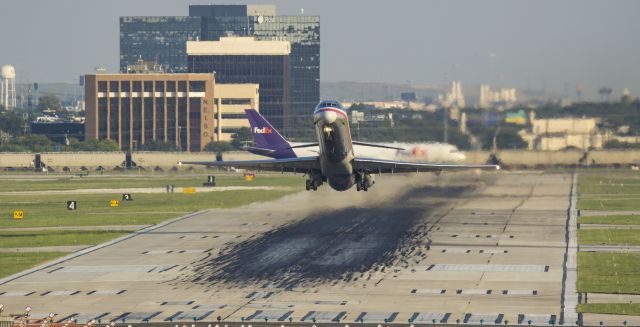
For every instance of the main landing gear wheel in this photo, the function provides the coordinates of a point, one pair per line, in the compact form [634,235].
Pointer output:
[308,185]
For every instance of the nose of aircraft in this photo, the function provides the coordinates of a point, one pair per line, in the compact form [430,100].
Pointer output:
[326,117]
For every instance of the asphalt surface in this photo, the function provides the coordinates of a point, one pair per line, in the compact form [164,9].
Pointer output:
[484,248]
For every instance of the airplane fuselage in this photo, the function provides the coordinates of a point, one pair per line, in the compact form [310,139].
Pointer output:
[335,146]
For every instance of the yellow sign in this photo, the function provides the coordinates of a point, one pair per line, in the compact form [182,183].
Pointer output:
[189,190]
[249,176]
[114,203]
[18,214]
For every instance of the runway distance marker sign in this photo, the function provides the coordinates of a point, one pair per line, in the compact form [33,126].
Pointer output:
[18,214]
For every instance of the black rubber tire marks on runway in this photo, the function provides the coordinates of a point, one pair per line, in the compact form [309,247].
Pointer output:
[330,246]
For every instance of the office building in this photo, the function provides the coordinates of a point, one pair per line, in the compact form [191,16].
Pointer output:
[230,102]
[157,39]
[246,60]
[215,21]
[179,109]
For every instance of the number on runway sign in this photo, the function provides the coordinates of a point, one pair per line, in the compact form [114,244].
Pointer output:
[72,205]
[18,214]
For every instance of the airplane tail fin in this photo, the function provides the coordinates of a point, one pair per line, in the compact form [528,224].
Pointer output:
[268,141]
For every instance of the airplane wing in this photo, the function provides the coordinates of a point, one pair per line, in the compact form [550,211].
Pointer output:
[301,164]
[382,166]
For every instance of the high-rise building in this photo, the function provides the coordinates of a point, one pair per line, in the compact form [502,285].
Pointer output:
[246,60]
[215,21]
[157,39]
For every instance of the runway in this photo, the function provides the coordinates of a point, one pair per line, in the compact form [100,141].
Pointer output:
[454,247]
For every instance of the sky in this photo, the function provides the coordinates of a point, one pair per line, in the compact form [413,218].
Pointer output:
[543,44]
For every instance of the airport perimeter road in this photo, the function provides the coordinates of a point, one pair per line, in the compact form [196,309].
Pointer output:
[428,248]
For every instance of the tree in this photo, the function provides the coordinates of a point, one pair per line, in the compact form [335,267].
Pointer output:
[37,143]
[157,146]
[93,145]
[218,147]
[242,137]
[49,102]
[12,123]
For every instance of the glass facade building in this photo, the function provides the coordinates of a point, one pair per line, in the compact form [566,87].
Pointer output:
[271,72]
[159,39]
[303,32]
[210,22]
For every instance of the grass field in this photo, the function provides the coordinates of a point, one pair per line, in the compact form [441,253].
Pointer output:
[610,308]
[611,220]
[617,273]
[609,236]
[15,262]
[93,209]
[41,183]
[15,239]
[609,191]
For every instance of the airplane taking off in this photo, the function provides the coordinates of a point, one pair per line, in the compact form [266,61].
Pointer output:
[269,143]
[336,162]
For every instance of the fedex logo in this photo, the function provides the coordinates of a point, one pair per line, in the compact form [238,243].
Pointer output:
[264,130]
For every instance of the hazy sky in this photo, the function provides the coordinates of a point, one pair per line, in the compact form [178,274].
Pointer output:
[548,44]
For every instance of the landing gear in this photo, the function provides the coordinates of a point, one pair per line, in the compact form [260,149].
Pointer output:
[313,182]
[364,181]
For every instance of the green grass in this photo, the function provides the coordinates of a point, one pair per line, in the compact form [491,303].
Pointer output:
[94,210]
[632,309]
[11,263]
[609,236]
[15,239]
[41,183]
[611,220]
[612,204]
[617,273]
[609,191]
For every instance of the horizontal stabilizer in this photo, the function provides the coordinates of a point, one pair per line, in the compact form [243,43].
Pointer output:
[303,145]
[377,145]
[258,149]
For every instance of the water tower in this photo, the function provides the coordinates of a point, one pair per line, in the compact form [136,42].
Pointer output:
[8,87]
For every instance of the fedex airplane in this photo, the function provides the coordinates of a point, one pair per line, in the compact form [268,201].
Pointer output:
[269,143]
[336,162]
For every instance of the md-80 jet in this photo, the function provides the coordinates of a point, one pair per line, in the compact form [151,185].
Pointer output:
[269,143]
[336,163]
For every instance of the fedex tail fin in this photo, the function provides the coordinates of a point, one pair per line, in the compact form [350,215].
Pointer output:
[268,142]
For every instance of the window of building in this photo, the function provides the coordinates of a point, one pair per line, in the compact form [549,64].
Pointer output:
[234,116]
[113,86]
[171,86]
[102,86]
[148,86]
[137,86]
[236,101]
[182,86]
[159,86]
[196,86]
[125,86]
